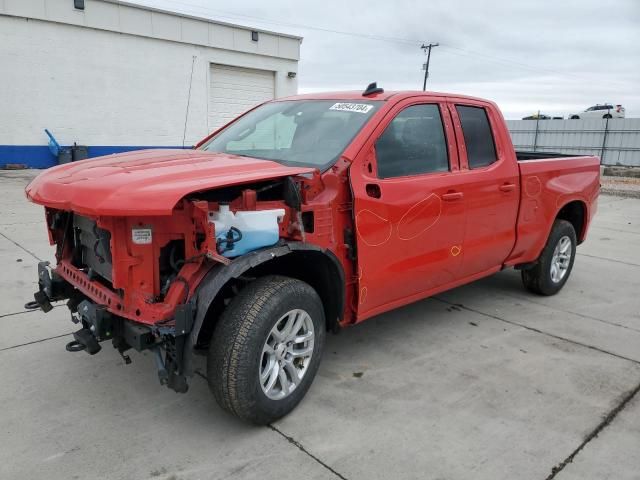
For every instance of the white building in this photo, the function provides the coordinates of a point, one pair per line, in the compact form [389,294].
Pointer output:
[116,76]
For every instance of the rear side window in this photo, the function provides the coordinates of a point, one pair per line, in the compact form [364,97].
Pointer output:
[478,137]
[413,143]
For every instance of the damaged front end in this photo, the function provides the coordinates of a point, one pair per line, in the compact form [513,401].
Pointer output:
[166,341]
[133,279]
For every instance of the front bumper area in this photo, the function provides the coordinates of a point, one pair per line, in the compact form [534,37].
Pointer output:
[168,340]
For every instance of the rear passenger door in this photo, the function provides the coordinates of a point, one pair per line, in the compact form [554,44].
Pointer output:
[409,210]
[491,186]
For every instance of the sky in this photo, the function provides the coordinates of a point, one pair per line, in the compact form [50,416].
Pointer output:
[558,57]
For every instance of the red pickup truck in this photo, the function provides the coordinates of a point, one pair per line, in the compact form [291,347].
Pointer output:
[304,215]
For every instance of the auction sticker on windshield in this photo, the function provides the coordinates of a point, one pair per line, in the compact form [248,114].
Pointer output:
[351,107]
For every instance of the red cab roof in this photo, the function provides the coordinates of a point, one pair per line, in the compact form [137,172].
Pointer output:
[357,95]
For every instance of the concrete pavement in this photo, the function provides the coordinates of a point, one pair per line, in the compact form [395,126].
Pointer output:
[486,381]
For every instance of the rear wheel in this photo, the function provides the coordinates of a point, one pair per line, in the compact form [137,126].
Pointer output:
[552,270]
[266,349]
[608,115]
[575,117]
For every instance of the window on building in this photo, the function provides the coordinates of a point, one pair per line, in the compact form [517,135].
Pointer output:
[413,143]
[478,138]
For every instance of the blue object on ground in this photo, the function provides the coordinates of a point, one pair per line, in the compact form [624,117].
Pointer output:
[54,146]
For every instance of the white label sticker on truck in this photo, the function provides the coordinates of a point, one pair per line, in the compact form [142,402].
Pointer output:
[141,236]
[351,107]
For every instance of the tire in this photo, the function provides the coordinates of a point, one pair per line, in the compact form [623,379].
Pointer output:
[238,354]
[574,117]
[608,115]
[541,278]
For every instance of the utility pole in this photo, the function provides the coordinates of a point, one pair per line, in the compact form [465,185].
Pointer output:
[427,50]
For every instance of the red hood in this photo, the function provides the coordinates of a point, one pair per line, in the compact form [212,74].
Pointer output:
[146,182]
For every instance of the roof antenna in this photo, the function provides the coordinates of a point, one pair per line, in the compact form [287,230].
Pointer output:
[372,89]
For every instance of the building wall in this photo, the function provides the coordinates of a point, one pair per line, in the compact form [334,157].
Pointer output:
[120,83]
[616,141]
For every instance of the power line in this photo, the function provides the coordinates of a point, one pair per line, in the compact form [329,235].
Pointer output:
[504,61]
[225,14]
[405,41]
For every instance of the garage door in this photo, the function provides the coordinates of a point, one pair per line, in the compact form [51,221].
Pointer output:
[235,90]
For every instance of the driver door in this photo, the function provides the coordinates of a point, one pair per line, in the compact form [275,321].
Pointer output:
[409,208]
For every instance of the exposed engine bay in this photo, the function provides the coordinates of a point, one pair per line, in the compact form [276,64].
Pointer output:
[130,279]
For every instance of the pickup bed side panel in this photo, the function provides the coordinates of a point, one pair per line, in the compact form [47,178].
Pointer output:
[546,187]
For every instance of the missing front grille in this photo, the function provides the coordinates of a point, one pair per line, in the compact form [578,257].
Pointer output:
[92,247]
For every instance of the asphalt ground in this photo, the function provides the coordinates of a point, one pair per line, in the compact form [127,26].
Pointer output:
[486,381]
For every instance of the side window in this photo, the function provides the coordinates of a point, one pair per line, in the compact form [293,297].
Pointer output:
[478,137]
[413,143]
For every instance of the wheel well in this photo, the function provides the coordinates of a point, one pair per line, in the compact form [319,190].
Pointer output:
[316,268]
[574,213]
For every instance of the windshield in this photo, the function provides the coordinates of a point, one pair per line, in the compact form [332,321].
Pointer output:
[311,133]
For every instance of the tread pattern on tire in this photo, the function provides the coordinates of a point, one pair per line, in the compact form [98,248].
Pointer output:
[239,329]
[535,278]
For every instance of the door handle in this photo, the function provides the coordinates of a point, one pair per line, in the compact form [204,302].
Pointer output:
[452,196]
[508,187]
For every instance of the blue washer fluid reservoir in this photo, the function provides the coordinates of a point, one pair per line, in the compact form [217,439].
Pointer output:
[258,228]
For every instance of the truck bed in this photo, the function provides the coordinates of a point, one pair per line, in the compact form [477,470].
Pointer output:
[524,156]
[548,183]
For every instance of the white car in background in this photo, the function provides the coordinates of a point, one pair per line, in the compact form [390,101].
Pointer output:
[600,111]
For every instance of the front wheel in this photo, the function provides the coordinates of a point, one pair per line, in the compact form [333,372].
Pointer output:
[552,269]
[266,349]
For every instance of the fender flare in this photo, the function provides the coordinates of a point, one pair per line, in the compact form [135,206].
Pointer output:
[560,204]
[219,275]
